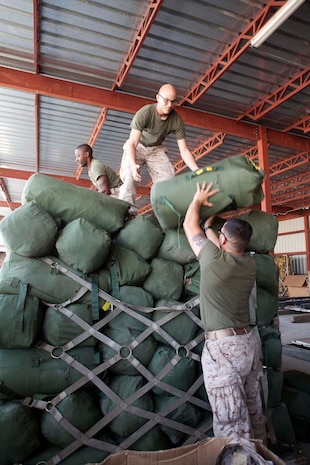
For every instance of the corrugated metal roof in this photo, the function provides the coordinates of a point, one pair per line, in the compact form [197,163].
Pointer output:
[87,41]
[95,43]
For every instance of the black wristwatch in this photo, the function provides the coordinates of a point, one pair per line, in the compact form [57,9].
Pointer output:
[206,228]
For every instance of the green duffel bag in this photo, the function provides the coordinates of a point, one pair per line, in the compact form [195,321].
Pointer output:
[192,278]
[83,455]
[21,318]
[298,406]
[19,432]
[267,307]
[206,424]
[165,281]
[181,375]
[135,296]
[266,273]
[297,380]
[187,414]
[69,202]
[153,440]
[282,424]
[127,267]
[175,247]
[29,231]
[237,178]
[80,409]
[83,246]
[45,281]
[275,383]
[141,236]
[181,327]
[126,338]
[265,230]
[271,347]
[126,422]
[32,371]
[58,329]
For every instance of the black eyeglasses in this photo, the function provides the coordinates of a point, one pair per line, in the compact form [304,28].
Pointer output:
[167,100]
[221,232]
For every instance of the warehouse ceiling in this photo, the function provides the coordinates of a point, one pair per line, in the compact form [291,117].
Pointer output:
[75,71]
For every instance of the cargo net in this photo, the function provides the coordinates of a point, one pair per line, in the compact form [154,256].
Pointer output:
[132,377]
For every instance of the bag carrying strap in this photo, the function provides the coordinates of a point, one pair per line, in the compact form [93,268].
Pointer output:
[114,278]
[95,297]
[20,308]
[200,171]
[164,201]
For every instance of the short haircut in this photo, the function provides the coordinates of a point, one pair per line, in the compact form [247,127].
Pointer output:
[86,148]
[239,230]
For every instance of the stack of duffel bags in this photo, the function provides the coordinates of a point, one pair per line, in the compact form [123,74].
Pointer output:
[99,344]
[101,336]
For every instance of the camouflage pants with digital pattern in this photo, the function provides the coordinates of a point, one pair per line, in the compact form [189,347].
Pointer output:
[232,370]
[157,163]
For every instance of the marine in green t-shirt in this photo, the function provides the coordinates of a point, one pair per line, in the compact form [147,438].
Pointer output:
[149,128]
[104,178]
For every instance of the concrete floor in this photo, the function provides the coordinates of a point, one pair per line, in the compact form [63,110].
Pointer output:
[291,331]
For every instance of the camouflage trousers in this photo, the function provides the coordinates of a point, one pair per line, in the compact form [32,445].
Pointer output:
[157,163]
[232,369]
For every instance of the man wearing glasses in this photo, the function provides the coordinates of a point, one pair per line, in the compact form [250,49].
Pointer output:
[149,128]
[231,355]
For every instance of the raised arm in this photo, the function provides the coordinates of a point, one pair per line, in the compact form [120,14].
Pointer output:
[191,225]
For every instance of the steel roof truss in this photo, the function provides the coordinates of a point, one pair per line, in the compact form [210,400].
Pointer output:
[146,23]
[232,53]
[289,163]
[299,82]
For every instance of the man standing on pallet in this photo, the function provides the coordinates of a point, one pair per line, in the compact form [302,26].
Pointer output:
[149,128]
[231,354]
[104,179]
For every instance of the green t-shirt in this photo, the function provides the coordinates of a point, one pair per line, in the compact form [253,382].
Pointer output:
[226,282]
[154,130]
[98,168]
